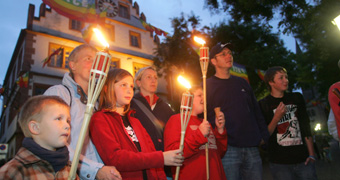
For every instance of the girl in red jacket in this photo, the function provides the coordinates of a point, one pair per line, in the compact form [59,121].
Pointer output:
[197,134]
[120,139]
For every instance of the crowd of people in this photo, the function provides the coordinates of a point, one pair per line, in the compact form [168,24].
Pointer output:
[136,135]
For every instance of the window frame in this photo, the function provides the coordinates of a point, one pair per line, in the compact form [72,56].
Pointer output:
[71,27]
[138,36]
[137,66]
[54,46]
[128,10]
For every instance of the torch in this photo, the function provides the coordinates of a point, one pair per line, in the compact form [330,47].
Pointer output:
[204,62]
[98,75]
[185,111]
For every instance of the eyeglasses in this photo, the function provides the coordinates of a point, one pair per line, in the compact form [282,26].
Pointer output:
[224,54]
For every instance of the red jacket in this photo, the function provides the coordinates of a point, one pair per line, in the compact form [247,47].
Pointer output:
[194,165]
[334,102]
[116,148]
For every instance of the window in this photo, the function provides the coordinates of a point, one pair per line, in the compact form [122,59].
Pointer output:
[39,89]
[137,67]
[124,11]
[135,39]
[76,25]
[60,60]
[114,63]
[110,32]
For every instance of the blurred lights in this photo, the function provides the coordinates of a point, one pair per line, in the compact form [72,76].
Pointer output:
[317,127]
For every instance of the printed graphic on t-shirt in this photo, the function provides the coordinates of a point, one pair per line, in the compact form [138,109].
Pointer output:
[131,133]
[289,133]
[211,138]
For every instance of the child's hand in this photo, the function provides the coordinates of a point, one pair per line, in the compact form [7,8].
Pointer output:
[280,111]
[173,158]
[220,122]
[205,128]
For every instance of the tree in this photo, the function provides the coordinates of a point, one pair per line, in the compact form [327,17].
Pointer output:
[309,22]
[262,11]
[255,46]
[317,66]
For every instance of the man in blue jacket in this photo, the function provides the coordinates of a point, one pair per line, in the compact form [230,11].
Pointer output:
[245,124]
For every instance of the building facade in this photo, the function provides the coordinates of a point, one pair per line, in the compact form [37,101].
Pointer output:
[131,47]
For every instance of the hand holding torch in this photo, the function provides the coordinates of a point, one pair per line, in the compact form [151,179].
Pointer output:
[185,112]
[98,75]
[204,62]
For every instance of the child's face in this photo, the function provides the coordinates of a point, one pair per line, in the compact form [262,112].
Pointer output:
[198,103]
[280,82]
[124,91]
[54,126]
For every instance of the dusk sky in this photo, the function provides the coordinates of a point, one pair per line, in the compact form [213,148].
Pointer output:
[13,15]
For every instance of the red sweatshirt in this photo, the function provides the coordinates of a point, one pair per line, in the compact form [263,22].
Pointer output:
[194,166]
[334,102]
[116,148]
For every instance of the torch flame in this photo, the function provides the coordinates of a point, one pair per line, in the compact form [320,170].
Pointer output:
[199,40]
[336,21]
[100,37]
[184,82]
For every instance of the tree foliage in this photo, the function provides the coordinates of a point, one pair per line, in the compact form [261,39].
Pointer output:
[262,10]
[309,22]
[255,46]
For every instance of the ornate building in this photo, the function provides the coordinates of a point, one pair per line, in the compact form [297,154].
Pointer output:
[131,47]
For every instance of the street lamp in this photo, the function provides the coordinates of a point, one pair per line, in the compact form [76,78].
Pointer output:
[336,21]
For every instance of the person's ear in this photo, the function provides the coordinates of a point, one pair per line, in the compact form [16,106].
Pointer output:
[213,61]
[34,127]
[138,83]
[71,64]
[271,83]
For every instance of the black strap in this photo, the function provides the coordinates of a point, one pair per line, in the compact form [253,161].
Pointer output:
[150,115]
[70,94]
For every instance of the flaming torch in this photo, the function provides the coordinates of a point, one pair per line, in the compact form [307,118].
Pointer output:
[204,62]
[98,75]
[185,111]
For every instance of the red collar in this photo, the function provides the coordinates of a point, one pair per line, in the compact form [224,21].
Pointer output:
[155,98]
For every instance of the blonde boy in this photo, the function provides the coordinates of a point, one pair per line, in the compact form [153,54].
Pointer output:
[44,121]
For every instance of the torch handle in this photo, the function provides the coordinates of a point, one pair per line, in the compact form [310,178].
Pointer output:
[181,147]
[80,143]
[205,119]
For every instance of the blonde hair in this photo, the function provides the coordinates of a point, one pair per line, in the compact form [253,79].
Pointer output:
[108,99]
[34,108]
[140,73]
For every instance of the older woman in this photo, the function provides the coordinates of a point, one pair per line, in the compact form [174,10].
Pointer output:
[152,111]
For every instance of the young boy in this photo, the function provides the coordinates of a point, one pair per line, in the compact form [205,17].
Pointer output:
[290,146]
[45,122]
[198,133]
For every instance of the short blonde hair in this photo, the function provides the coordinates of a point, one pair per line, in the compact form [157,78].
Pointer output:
[34,108]
[107,98]
[74,54]
[140,73]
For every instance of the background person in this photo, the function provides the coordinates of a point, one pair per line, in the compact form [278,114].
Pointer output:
[151,110]
[290,146]
[246,127]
